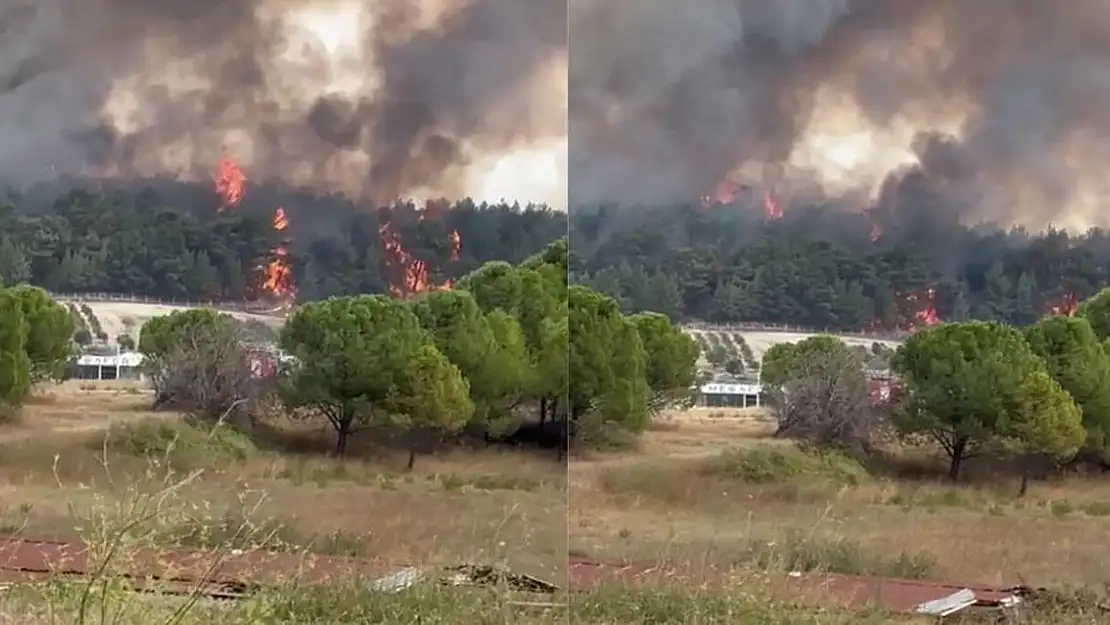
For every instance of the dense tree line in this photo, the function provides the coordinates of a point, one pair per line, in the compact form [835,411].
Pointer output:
[821,268]
[168,239]
[510,345]
[973,387]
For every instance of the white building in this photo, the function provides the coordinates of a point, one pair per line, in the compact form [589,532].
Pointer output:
[121,366]
[730,395]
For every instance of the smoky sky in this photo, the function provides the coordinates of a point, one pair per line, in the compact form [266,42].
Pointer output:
[1003,106]
[422,89]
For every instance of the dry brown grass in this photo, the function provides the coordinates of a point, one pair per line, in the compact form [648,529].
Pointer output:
[687,496]
[478,506]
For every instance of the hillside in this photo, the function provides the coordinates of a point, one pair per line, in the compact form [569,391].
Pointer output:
[118,317]
[748,346]
[819,268]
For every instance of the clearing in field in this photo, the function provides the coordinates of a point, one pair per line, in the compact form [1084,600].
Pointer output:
[81,451]
[711,491]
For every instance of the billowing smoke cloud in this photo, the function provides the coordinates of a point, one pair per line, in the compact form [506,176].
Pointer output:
[375,99]
[998,108]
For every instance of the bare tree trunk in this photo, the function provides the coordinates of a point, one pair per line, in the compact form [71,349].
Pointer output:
[412,458]
[343,432]
[1024,479]
[543,411]
[959,452]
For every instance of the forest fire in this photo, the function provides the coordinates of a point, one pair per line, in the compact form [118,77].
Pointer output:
[772,210]
[1065,306]
[413,271]
[277,275]
[925,314]
[230,183]
[456,244]
[278,280]
[725,194]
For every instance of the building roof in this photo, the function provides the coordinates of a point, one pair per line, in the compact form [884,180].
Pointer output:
[124,359]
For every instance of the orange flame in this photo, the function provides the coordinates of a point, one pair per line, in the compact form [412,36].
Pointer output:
[413,271]
[229,183]
[456,244]
[278,275]
[724,194]
[925,314]
[772,210]
[1066,306]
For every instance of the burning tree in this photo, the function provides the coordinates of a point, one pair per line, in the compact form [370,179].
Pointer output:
[230,183]
[726,193]
[922,310]
[278,274]
[407,275]
[1064,306]
[275,277]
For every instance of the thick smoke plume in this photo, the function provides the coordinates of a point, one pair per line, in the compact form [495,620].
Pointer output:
[376,99]
[996,109]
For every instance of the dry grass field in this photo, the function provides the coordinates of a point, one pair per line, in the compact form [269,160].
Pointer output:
[81,451]
[705,491]
[710,490]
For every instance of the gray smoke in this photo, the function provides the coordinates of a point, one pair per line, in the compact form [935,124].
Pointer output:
[422,90]
[1003,103]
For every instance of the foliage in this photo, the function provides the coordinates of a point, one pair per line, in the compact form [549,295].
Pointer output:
[782,360]
[15,365]
[125,342]
[435,396]
[359,362]
[1046,422]
[419,367]
[608,383]
[1096,310]
[1078,361]
[819,269]
[818,390]
[536,297]
[488,350]
[670,360]
[198,363]
[50,329]
[963,383]
[163,238]
[161,334]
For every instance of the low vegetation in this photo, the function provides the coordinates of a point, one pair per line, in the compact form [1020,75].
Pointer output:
[94,323]
[986,431]
[727,351]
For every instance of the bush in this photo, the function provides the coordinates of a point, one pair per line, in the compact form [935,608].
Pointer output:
[765,465]
[182,444]
[126,342]
[840,555]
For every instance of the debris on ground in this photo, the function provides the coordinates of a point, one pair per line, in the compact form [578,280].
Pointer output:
[474,575]
[237,574]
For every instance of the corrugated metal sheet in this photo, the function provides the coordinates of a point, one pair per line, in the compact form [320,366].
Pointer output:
[234,574]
